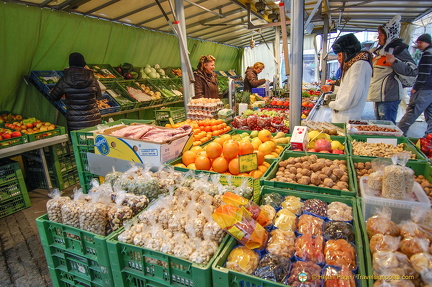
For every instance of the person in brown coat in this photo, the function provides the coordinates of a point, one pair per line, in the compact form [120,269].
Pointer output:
[251,77]
[206,84]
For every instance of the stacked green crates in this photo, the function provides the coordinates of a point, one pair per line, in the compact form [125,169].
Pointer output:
[83,143]
[13,191]
[61,167]
[75,257]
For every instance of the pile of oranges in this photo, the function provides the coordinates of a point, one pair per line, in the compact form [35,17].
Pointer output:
[222,154]
[204,130]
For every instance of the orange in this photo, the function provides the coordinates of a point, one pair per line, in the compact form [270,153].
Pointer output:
[233,166]
[188,157]
[191,166]
[230,149]
[260,157]
[256,142]
[219,141]
[244,174]
[265,148]
[261,168]
[245,147]
[225,137]
[264,135]
[220,164]
[180,165]
[197,149]
[256,173]
[214,150]
[203,163]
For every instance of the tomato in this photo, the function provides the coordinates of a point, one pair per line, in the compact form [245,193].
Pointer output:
[429,136]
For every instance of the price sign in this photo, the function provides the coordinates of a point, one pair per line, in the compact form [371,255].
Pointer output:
[248,162]
[29,121]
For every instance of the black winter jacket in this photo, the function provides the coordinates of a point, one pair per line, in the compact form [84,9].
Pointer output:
[82,90]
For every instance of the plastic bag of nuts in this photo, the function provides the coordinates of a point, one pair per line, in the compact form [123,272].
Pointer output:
[93,215]
[55,204]
[398,180]
[70,209]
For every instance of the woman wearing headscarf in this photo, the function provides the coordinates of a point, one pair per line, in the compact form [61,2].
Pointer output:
[251,77]
[391,57]
[356,74]
[81,91]
[206,84]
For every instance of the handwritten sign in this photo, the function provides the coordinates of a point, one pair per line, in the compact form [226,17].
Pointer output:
[29,121]
[248,162]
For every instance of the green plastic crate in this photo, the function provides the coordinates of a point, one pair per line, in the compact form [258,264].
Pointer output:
[15,203]
[13,141]
[8,171]
[367,256]
[105,72]
[14,188]
[226,277]
[73,240]
[419,168]
[61,278]
[133,265]
[271,173]
[48,134]
[125,101]
[408,145]
[80,267]
[152,88]
[165,90]
[124,84]
[177,114]
[342,139]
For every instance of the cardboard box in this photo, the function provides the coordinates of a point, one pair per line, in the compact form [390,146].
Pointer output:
[299,138]
[140,151]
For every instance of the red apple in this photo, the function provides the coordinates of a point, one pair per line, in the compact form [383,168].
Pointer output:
[6,136]
[29,125]
[312,150]
[322,145]
[324,151]
[337,151]
[16,134]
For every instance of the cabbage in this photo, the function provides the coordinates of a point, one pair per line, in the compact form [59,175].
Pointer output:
[153,70]
[158,75]
[161,72]
[153,75]
[147,70]
[148,66]
[157,66]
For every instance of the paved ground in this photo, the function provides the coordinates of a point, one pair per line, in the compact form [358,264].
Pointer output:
[22,261]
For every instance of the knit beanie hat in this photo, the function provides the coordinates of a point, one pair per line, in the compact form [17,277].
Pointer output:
[392,29]
[348,44]
[425,38]
[76,60]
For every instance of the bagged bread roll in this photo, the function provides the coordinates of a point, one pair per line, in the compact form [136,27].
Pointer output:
[381,223]
[398,180]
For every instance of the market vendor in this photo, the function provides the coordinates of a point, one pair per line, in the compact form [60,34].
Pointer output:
[206,84]
[356,76]
[251,77]
[81,90]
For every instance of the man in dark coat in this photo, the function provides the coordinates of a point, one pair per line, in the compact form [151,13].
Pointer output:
[81,91]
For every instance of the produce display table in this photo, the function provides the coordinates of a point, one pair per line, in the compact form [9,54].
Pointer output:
[39,144]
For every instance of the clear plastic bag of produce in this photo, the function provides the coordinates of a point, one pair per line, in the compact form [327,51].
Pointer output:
[70,208]
[316,207]
[93,215]
[310,248]
[274,199]
[252,121]
[281,243]
[243,260]
[55,204]
[398,180]
[304,270]
[422,263]
[381,223]
[264,121]
[139,181]
[256,213]
[293,204]
[339,230]
[339,252]
[335,276]
[392,263]
[118,213]
[285,220]
[131,228]
[269,211]
[375,180]
[238,223]
[386,243]
[244,190]
[339,211]
[273,267]
[239,122]
[409,228]
[309,224]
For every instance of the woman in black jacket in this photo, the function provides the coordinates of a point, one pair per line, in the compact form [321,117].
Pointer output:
[82,90]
